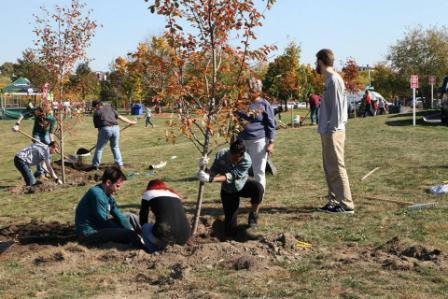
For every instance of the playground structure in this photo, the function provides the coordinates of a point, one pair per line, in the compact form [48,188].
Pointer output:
[15,97]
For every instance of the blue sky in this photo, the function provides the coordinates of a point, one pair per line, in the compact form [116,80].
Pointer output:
[361,29]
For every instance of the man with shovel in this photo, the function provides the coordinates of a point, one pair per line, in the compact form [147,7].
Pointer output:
[35,154]
[105,120]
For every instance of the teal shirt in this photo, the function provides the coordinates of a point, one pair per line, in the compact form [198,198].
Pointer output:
[45,125]
[92,212]
[240,172]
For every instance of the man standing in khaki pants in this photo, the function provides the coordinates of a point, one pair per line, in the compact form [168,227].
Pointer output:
[332,120]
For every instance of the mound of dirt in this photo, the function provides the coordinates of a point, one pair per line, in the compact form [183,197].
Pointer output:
[83,175]
[74,177]
[39,232]
[396,255]
[393,255]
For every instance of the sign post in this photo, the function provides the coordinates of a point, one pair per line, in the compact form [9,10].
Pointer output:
[414,86]
[432,82]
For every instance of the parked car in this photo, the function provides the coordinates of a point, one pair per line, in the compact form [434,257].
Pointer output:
[418,102]
[354,101]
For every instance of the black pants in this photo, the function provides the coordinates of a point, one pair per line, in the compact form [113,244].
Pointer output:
[231,201]
[115,233]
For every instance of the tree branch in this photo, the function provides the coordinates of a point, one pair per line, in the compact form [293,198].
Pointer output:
[196,139]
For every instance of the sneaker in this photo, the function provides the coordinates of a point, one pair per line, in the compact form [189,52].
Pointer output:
[327,207]
[338,210]
[252,219]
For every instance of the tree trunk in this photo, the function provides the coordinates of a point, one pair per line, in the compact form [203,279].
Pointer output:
[211,106]
[61,126]
[201,188]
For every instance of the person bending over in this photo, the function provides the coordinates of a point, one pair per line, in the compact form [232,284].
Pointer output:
[33,155]
[230,168]
[171,225]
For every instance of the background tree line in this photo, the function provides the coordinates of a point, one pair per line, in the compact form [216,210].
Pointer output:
[145,74]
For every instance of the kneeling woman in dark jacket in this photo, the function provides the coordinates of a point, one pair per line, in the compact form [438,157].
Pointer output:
[171,226]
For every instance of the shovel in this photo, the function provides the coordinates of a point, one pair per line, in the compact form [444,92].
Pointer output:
[84,151]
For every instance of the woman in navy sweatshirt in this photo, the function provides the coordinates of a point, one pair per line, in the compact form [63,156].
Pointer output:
[259,130]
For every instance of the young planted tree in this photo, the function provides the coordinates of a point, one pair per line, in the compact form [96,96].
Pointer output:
[208,72]
[62,39]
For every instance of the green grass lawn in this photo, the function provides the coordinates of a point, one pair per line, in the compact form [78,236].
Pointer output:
[410,159]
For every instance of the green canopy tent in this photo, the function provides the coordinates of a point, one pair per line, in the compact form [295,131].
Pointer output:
[15,97]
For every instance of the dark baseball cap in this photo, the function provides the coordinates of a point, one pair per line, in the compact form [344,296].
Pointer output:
[95,102]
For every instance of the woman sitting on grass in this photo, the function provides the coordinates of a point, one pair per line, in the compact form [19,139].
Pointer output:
[171,225]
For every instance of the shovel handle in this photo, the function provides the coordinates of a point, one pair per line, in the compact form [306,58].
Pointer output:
[34,139]
[29,136]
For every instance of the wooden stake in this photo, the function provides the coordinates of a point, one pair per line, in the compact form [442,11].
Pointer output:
[400,202]
[368,174]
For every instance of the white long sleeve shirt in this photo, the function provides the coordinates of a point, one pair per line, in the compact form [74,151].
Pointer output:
[333,112]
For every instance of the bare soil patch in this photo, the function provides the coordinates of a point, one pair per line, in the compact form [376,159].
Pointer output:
[53,247]
[82,175]
[393,255]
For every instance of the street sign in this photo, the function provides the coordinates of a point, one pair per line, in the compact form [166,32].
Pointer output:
[432,80]
[414,81]
[414,85]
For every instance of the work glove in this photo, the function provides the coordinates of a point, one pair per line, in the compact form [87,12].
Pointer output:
[203,176]
[203,161]
[58,182]
[16,128]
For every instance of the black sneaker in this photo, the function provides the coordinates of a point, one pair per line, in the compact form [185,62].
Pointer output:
[327,207]
[252,219]
[338,210]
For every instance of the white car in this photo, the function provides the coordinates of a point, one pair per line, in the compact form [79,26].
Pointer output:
[355,100]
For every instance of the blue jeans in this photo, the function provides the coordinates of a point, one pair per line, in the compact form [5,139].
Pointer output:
[314,115]
[105,134]
[149,238]
[43,137]
[25,170]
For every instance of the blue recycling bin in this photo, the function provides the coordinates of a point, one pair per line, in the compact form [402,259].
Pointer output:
[137,109]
